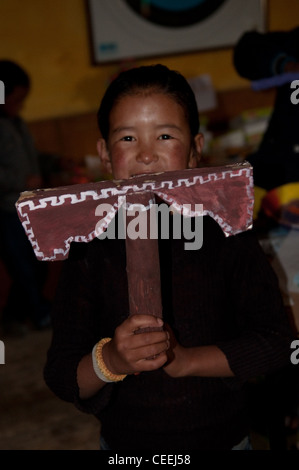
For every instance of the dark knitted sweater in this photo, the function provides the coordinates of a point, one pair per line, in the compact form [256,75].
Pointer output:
[225,294]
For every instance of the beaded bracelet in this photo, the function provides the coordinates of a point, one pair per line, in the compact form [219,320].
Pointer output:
[99,365]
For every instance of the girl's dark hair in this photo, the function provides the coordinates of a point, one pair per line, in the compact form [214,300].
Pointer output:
[13,75]
[152,78]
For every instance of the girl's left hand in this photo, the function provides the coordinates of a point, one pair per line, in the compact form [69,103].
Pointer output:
[177,356]
[200,361]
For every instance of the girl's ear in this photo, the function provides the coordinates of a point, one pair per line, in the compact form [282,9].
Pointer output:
[198,143]
[104,155]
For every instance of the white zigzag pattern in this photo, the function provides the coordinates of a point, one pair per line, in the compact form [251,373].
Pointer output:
[145,186]
[108,192]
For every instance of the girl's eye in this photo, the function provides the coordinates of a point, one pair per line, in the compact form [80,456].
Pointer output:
[127,138]
[164,137]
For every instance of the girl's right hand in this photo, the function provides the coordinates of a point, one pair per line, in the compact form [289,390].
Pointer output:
[130,353]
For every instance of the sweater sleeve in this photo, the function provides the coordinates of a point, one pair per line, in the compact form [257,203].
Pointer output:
[262,340]
[258,55]
[74,333]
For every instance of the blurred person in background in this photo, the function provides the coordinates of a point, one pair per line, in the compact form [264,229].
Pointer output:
[271,60]
[19,171]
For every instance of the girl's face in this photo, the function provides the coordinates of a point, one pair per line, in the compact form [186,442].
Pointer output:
[148,134]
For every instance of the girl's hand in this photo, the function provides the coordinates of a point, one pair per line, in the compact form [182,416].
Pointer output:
[176,365]
[200,361]
[131,353]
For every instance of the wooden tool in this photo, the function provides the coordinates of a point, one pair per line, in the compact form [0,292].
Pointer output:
[56,217]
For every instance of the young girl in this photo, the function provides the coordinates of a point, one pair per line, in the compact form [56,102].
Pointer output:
[181,387]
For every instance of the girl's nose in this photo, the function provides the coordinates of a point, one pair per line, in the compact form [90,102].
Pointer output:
[146,156]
